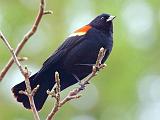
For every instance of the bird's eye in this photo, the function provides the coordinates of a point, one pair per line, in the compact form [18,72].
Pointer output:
[102,18]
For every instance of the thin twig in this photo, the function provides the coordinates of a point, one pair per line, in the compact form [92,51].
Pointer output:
[12,52]
[26,37]
[56,94]
[48,12]
[22,58]
[25,73]
[74,94]
[97,66]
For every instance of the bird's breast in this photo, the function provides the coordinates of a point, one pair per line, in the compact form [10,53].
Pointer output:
[80,59]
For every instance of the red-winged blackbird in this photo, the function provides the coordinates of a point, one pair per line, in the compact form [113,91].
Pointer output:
[73,59]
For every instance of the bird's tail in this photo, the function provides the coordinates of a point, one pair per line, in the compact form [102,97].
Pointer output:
[46,82]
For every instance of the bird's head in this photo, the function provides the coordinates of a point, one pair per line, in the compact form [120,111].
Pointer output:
[103,22]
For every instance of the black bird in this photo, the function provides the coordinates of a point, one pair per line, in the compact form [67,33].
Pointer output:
[73,59]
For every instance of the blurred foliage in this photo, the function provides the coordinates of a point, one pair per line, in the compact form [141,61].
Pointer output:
[119,87]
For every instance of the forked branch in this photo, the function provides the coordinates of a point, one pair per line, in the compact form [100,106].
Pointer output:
[26,37]
[30,93]
[74,94]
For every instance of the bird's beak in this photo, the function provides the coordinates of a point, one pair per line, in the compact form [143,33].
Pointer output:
[110,18]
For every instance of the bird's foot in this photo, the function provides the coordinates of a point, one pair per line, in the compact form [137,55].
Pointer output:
[82,86]
[100,66]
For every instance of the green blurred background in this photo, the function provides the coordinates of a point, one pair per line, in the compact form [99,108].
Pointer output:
[128,89]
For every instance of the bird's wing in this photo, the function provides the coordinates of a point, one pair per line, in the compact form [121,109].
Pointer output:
[63,49]
[75,38]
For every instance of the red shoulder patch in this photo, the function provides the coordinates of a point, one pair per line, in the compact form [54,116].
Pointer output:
[81,31]
[84,29]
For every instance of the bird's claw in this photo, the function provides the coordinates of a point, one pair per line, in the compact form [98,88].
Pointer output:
[82,86]
[87,82]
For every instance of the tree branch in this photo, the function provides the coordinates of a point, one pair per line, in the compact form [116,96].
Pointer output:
[56,94]
[30,93]
[26,37]
[74,94]
[12,52]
